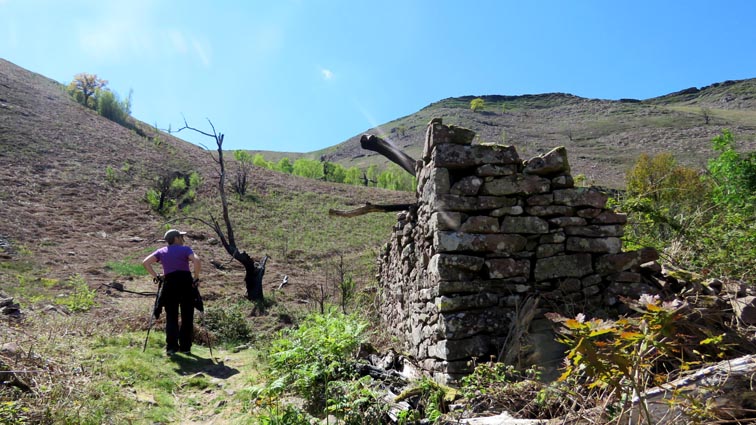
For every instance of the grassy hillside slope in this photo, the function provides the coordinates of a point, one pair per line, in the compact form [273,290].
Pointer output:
[68,229]
[603,137]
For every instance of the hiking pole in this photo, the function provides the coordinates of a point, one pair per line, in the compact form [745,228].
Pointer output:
[207,335]
[155,310]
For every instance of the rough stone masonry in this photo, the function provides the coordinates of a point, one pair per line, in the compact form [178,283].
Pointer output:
[493,243]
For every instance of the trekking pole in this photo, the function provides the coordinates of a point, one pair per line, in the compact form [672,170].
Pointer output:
[155,310]
[207,335]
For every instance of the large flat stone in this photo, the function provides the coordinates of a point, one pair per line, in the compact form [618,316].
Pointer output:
[516,185]
[454,156]
[596,245]
[445,241]
[576,265]
[581,197]
[499,268]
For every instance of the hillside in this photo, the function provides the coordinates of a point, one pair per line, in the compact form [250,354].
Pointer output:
[56,200]
[603,137]
[69,230]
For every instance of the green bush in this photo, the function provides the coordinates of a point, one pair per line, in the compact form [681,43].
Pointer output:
[697,220]
[228,324]
[309,168]
[173,190]
[111,107]
[317,352]
[733,174]
[81,298]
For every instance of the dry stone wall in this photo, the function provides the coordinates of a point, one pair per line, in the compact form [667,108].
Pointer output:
[491,233]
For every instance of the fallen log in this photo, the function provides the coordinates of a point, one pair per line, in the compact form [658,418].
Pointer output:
[726,388]
[369,208]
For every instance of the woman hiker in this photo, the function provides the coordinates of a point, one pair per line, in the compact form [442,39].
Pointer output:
[178,289]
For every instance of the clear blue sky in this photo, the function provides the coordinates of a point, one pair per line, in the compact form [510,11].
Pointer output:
[301,75]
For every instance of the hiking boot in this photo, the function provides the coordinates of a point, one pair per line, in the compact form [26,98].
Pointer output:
[170,352]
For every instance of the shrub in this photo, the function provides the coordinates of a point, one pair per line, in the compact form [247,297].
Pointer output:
[309,168]
[307,358]
[624,357]
[228,324]
[733,173]
[259,161]
[110,175]
[173,190]
[13,413]
[111,107]
[284,165]
[699,220]
[81,298]
[477,104]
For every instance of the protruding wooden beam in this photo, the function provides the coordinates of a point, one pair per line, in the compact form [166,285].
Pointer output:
[387,149]
[369,208]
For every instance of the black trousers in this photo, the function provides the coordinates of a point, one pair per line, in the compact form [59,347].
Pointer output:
[178,296]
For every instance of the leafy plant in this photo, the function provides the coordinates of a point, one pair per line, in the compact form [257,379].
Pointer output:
[628,355]
[307,358]
[81,298]
[13,413]
[228,324]
[477,104]
[110,175]
[517,391]
[110,106]
[356,402]
[431,399]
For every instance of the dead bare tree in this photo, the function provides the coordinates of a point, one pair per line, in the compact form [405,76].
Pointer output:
[253,271]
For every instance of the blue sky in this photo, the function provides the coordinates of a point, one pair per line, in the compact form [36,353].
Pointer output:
[301,75]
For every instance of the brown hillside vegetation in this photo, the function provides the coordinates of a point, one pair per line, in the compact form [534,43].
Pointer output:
[603,137]
[55,198]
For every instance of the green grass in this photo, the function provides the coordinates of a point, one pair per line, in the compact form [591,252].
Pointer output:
[296,226]
[730,116]
[122,384]
[126,268]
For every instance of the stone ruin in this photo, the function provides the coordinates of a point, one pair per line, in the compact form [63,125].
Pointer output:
[492,244]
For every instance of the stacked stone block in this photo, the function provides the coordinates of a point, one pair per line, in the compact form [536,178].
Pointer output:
[489,230]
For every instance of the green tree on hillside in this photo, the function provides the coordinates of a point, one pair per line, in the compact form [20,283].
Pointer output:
[353,176]
[284,165]
[370,177]
[244,164]
[733,173]
[309,168]
[84,87]
[171,190]
[477,104]
[260,161]
[334,172]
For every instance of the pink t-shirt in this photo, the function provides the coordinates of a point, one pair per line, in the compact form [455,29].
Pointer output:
[174,258]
